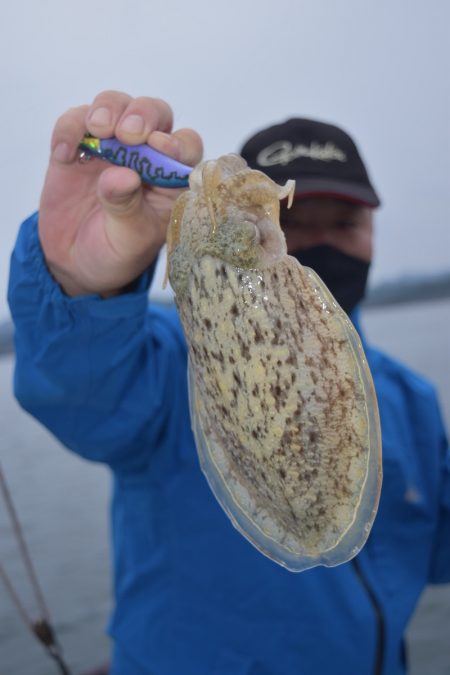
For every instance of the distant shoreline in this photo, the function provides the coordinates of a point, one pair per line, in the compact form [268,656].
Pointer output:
[409,289]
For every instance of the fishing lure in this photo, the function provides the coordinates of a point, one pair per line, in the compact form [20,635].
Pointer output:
[282,402]
[154,167]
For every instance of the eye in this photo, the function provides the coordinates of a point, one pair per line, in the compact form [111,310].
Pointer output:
[257,235]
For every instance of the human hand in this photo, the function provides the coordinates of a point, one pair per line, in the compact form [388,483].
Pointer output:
[99,226]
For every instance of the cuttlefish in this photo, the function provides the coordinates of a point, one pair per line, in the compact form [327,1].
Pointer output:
[282,402]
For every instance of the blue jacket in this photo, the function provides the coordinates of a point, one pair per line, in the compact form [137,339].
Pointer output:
[193,597]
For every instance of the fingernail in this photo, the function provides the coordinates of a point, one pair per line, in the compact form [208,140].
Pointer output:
[166,143]
[176,146]
[133,124]
[62,153]
[101,117]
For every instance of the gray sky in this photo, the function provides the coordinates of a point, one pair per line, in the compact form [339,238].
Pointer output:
[379,69]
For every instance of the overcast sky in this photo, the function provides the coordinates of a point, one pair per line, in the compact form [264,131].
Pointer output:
[379,69]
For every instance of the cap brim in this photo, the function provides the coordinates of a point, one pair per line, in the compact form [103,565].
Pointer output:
[351,192]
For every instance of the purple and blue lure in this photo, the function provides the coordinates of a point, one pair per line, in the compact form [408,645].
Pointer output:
[154,167]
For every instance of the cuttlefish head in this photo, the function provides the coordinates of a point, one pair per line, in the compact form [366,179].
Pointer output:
[231,212]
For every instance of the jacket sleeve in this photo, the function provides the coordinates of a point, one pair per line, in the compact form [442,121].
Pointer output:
[440,566]
[93,371]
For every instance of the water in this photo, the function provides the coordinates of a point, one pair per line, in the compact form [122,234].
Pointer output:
[62,502]
[418,335]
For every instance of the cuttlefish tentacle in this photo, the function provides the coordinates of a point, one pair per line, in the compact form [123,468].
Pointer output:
[255,189]
[288,191]
[211,179]
[173,230]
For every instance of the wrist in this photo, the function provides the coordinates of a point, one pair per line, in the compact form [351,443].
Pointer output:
[72,288]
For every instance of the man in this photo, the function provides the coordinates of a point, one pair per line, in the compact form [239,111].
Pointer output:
[107,375]
[329,227]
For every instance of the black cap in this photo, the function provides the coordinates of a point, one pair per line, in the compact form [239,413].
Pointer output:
[320,157]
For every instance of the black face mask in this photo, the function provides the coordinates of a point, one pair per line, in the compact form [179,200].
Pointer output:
[345,275]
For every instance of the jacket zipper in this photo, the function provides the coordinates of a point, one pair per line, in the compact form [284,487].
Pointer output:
[380,628]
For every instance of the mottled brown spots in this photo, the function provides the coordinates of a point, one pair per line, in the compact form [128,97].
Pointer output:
[341,391]
[285,482]
[259,337]
[245,350]
[298,410]
[218,356]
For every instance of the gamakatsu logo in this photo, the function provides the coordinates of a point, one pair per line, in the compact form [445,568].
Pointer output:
[283,152]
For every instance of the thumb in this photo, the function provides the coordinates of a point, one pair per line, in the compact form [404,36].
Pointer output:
[131,224]
[120,192]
